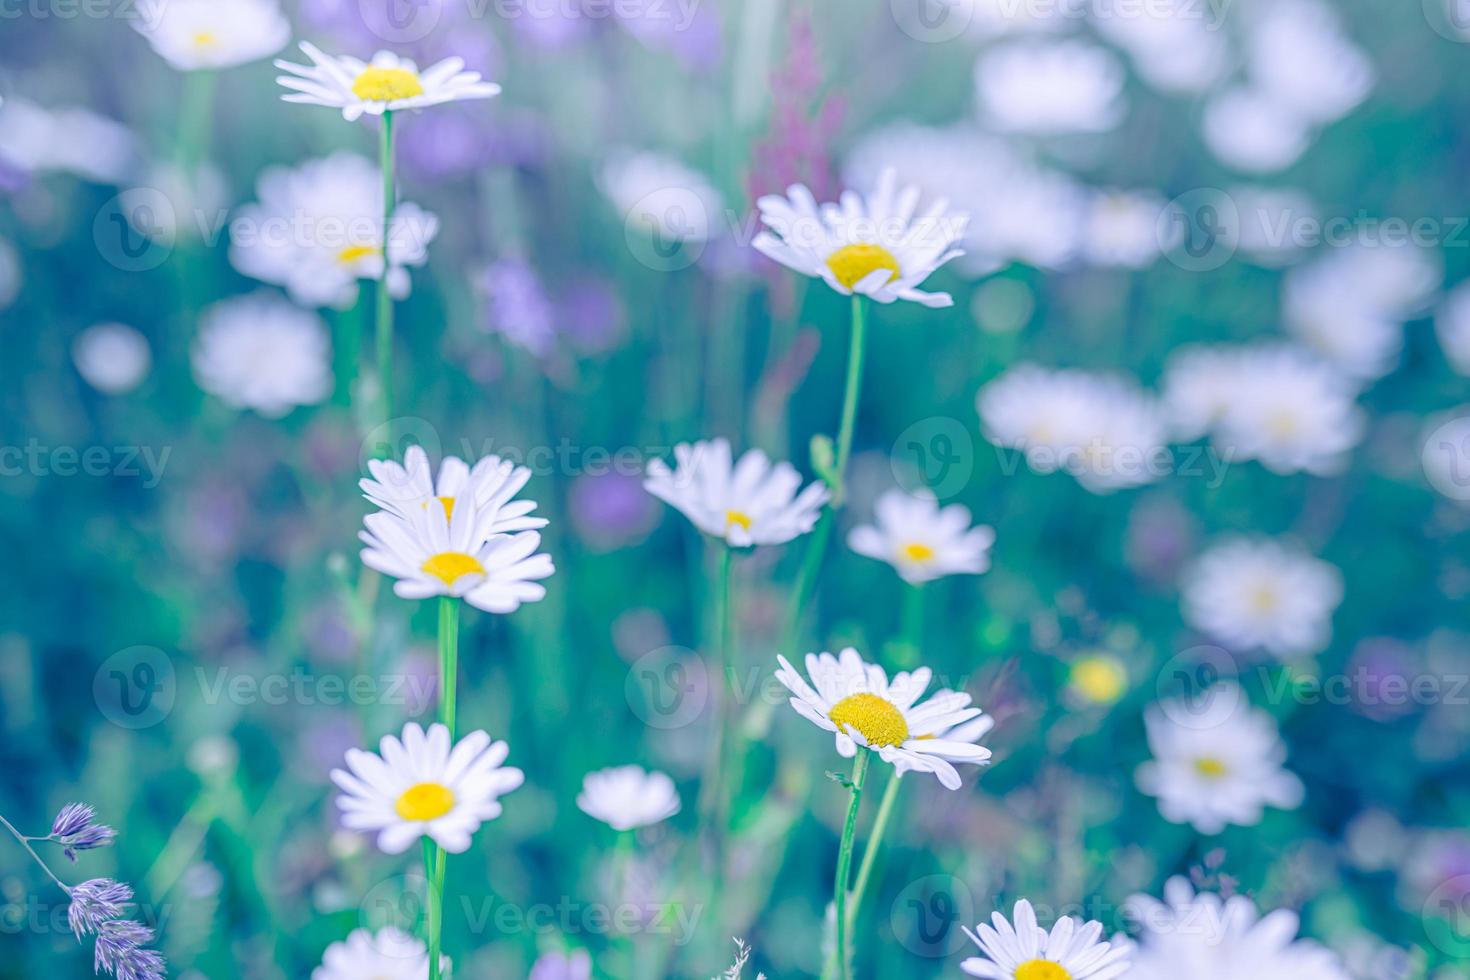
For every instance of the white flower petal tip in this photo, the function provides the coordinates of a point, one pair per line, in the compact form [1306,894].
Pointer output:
[627,797]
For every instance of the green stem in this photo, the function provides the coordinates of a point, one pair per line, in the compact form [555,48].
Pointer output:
[434,913]
[844,861]
[709,792]
[26,843]
[385,299]
[870,853]
[856,351]
[435,858]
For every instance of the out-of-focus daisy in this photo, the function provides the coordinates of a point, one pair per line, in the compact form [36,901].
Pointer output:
[1173,47]
[208,34]
[744,503]
[1252,133]
[871,245]
[1050,87]
[1098,679]
[318,229]
[1072,950]
[112,357]
[449,551]
[263,353]
[1275,223]
[1289,411]
[422,786]
[1216,761]
[627,797]
[1205,937]
[1102,429]
[576,965]
[661,195]
[1248,593]
[410,487]
[169,204]
[921,540]
[1299,56]
[386,84]
[1452,325]
[1122,228]
[857,702]
[388,954]
[1200,384]
[66,139]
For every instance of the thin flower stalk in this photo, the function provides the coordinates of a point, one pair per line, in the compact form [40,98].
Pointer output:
[435,857]
[385,297]
[844,863]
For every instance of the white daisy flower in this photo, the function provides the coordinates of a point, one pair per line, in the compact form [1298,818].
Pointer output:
[1205,937]
[112,357]
[450,551]
[387,84]
[922,541]
[1253,133]
[263,353]
[1122,229]
[1173,48]
[388,954]
[1452,325]
[318,229]
[1250,593]
[1102,429]
[1072,950]
[1216,761]
[744,503]
[1300,57]
[1290,412]
[1200,383]
[407,487]
[66,139]
[627,797]
[1048,88]
[873,246]
[856,701]
[661,195]
[421,786]
[192,35]
[1275,223]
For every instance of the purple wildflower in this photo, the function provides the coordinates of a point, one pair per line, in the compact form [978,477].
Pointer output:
[518,306]
[94,903]
[96,909]
[74,830]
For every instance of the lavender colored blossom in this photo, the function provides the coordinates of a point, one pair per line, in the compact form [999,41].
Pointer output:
[94,903]
[518,306]
[96,909]
[74,830]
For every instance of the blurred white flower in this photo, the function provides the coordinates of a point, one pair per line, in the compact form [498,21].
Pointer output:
[1050,88]
[1299,56]
[1071,950]
[1173,46]
[1200,384]
[873,245]
[1289,411]
[1205,937]
[1253,133]
[387,84]
[318,229]
[452,551]
[1274,223]
[196,205]
[209,34]
[921,540]
[576,965]
[745,503]
[1350,305]
[662,196]
[261,352]
[857,703]
[409,487]
[628,797]
[112,357]
[1217,762]
[1452,324]
[65,139]
[389,954]
[1249,593]
[424,786]
[1102,429]
[1122,228]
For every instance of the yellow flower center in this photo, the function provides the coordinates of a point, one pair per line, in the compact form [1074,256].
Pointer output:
[879,722]
[451,566]
[740,517]
[1283,424]
[1042,970]
[851,264]
[1264,599]
[205,39]
[354,253]
[1101,680]
[1210,767]
[917,552]
[425,801]
[387,84]
[447,503]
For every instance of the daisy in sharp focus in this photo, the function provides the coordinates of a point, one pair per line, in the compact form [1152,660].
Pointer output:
[492,483]
[442,551]
[1217,761]
[422,786]
[1207,937]
[921,540]
[388,954]
[744,503]
[204,34]
[1255,593]
[386,84]
[857,702]
[263,353]
[627,797]
[1072,950]
[873,246]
